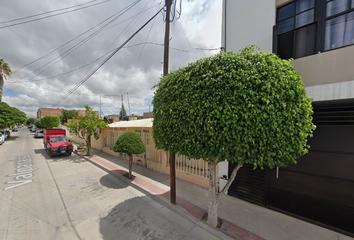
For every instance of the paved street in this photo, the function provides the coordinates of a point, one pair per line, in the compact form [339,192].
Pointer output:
[68,198]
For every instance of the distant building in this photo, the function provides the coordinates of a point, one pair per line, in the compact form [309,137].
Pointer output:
[113,118]
[56,112]
[147,115]
[133,118]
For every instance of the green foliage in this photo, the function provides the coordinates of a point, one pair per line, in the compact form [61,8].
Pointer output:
[68,114]
[4,72]
[38,123]
[80,147]
[249,107]
[10,116]
[88,125]
[30,121]
[129,143]
[5,69]
[122,112]
[50,121]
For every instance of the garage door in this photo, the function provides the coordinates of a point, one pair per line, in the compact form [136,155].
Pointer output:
[320,188]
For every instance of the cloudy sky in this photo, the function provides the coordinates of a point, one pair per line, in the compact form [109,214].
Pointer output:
[51,56]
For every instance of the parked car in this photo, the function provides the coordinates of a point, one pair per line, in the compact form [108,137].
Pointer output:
[6,133]
[33,129]
[2,138]
[30,126]
[38,134]
[15,129]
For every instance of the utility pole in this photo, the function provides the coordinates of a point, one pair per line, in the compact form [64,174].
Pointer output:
[100,106]
[121,110]
[128,103]
[165,72]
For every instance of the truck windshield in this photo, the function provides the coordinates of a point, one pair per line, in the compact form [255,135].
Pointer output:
[58,139]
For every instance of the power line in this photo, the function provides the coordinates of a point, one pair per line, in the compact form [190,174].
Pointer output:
[187,38]
[81,66]
[42,79]
[73,48]
[135,45]
[130,17]
[69,49]
[53,51]
[174,10]
[109,57]
[141,52]
[125,30]
[13,20]
[15,24]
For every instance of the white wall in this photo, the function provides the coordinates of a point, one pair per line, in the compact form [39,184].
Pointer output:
[248,22]
[342,90]
[223,170]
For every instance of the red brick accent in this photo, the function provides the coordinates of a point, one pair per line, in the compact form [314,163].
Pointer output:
[56,112]
[237,233]
[227,228]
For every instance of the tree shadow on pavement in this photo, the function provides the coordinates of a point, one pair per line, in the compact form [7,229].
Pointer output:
[110,181]
[72,158]
[11,138]
[144,218]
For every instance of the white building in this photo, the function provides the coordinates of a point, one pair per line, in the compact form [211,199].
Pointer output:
[319,36]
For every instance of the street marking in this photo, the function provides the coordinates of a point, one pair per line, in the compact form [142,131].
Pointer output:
[24,171]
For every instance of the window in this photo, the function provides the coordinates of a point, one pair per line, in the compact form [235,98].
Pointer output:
[296,29]
[339,27]
[305,27]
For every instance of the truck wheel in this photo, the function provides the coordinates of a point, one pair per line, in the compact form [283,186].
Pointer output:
[50,154]
[69,153]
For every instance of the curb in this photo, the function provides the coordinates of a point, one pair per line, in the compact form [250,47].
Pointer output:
[227,229]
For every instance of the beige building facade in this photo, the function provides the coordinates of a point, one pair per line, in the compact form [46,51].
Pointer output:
[318,35]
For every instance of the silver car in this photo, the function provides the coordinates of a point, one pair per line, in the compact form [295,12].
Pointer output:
[4,135]
[38,134]
[2,138]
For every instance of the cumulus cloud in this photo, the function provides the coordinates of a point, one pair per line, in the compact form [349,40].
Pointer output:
[135,69]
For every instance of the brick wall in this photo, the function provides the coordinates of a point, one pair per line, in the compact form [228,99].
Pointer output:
[56,112]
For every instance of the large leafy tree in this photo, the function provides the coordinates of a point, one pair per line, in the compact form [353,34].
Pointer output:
[86,126]
[129,143]
[38,123]
[122,112]
[4,72]
[30,121]
[49,121]
[10,116]
[249,107]
[68,114]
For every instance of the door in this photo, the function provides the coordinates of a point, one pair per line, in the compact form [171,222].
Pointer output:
[320,187]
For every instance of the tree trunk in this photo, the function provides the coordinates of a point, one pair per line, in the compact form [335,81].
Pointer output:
[213,195]
[88,144]
[231,179]
[1,86]
[130,165]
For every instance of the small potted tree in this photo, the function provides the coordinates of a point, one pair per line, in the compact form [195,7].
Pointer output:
[129,143]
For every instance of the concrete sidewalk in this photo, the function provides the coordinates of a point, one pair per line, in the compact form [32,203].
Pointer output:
[241,220]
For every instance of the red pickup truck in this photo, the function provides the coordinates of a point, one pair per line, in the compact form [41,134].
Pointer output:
[56,143]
